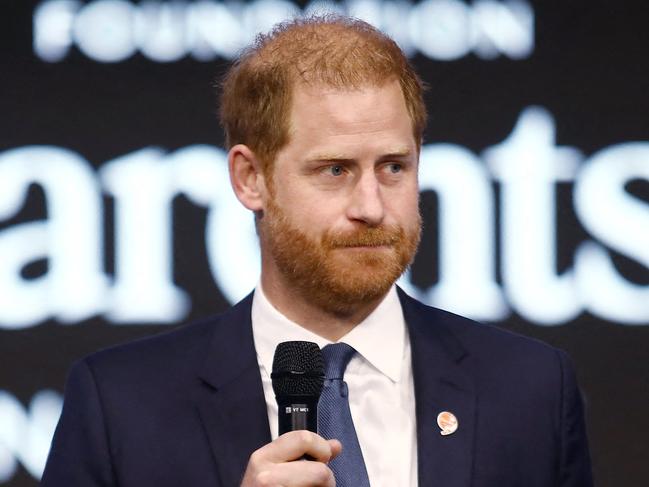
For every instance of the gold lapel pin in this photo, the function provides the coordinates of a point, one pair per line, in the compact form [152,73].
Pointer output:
[447,422]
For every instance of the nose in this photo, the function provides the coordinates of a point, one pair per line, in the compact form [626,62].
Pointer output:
[366,201]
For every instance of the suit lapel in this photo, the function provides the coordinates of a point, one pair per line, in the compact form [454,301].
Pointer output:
[440,385]
[230,400]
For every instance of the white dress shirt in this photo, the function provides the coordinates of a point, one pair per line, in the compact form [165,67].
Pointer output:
[379,377]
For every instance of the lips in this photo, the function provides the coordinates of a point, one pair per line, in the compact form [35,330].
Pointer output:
[365,245]
[363,240]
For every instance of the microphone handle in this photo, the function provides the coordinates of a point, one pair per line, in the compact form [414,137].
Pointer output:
[297,413]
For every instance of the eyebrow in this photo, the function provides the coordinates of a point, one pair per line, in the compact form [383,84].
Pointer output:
[399,153]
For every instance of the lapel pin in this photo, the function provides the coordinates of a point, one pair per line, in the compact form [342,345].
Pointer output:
[447,422]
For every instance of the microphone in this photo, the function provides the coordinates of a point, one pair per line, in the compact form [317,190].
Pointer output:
[297,377]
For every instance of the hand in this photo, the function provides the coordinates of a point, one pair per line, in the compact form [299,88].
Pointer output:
[274,464]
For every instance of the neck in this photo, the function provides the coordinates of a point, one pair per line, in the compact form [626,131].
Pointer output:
[327,324]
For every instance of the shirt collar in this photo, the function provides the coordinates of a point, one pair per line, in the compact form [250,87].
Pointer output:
[379,338]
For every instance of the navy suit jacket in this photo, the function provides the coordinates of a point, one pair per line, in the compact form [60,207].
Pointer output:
[187,408]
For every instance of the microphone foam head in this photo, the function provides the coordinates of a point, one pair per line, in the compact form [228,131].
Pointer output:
[298,369]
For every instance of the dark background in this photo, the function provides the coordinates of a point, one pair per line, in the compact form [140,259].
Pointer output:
[589,69]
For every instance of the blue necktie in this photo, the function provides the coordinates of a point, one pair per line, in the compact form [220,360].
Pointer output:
[335,418]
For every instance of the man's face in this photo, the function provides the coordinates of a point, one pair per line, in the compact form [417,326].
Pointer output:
[341,222]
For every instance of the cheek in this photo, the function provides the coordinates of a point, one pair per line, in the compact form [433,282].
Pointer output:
[309,205]
[404,205]
[307,214]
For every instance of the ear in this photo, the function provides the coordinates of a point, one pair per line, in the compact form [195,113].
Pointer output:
[246,177]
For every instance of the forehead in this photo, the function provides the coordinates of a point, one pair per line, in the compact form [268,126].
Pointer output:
[326,114]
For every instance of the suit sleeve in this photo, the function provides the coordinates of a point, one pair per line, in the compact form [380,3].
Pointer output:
[80,454]
[575,466]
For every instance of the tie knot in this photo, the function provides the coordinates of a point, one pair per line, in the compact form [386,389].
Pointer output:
[336,357]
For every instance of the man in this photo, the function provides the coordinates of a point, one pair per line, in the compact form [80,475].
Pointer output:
[324,119]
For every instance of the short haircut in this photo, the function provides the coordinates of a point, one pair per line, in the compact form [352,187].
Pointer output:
[333,50]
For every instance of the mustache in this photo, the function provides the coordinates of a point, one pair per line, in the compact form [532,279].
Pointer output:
[364,237]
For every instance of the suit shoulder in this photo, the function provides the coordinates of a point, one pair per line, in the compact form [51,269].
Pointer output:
[173,350]
[504,366]
[479,338]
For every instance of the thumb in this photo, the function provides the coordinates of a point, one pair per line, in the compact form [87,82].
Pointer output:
[336,448]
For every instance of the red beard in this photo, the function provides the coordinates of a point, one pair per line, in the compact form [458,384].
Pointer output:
[339,271]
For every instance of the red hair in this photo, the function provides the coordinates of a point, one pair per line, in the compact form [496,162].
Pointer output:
[333,50]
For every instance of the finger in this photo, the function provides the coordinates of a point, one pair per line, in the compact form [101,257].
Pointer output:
[295,444]
[336,448]
[302,474]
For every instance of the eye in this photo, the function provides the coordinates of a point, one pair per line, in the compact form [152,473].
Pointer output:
[395,167]
[336,170]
